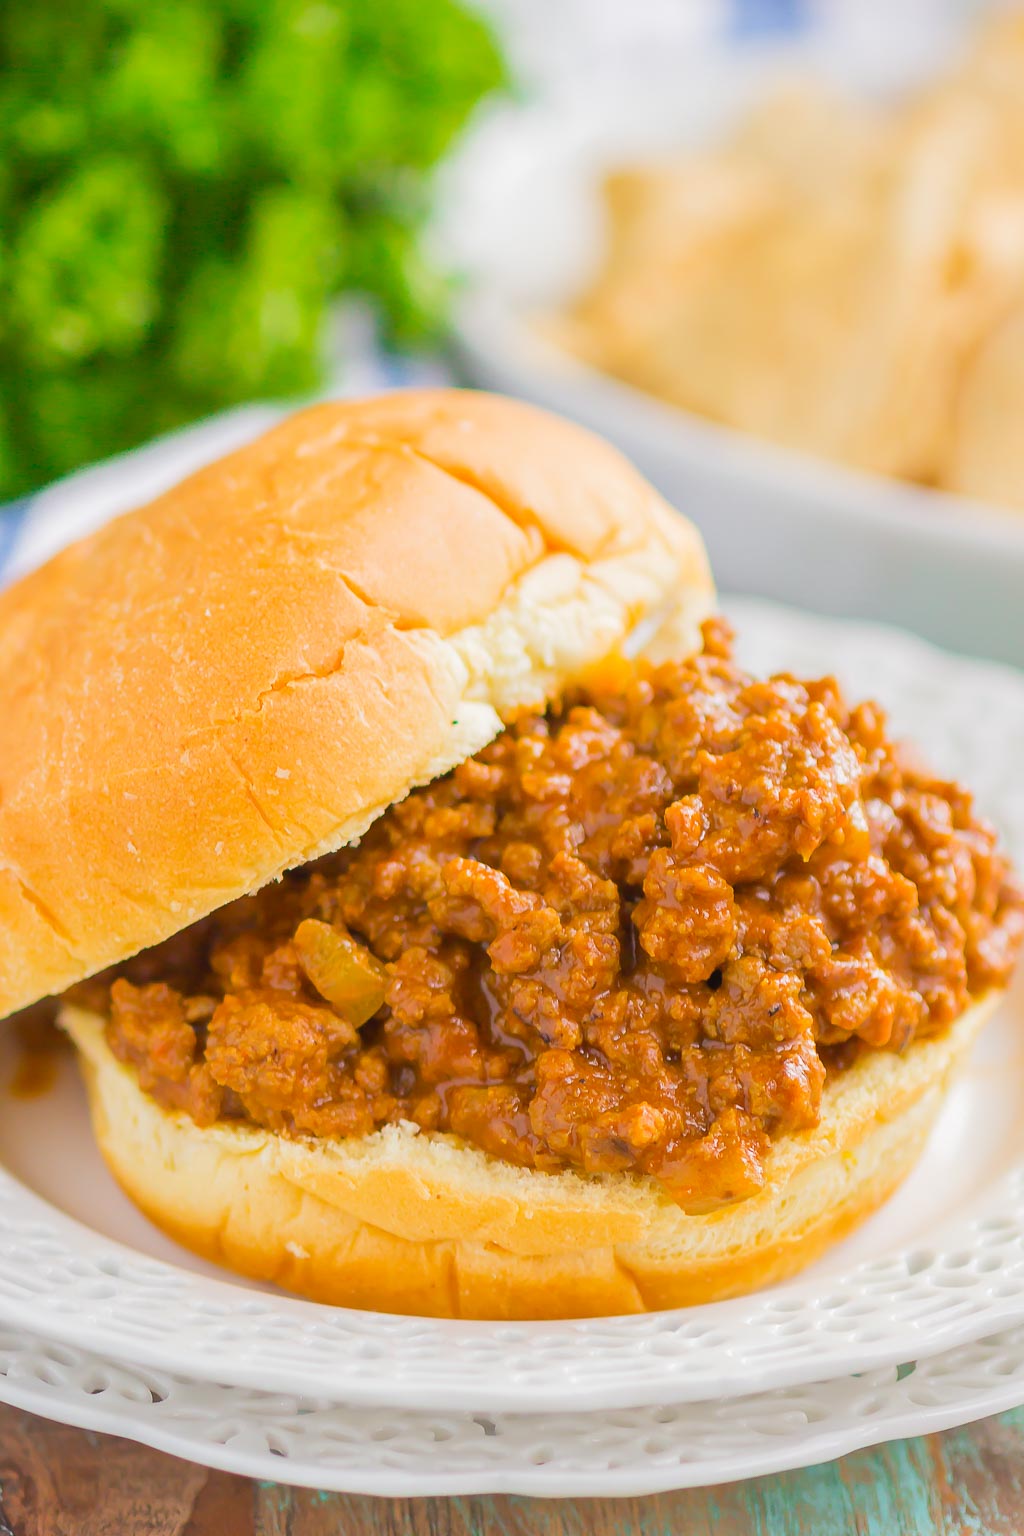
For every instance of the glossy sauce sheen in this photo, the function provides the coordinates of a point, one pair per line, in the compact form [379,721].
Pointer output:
[631,935]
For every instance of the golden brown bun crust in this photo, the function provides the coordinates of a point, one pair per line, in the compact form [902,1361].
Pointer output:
[400,1222]
[243,674]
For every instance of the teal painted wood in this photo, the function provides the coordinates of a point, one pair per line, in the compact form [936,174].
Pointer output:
[967,1482]
[58,1481]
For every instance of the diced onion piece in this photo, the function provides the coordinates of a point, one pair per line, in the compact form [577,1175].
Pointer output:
[342,970]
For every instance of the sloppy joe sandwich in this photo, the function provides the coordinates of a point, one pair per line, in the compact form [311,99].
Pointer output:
[445,922]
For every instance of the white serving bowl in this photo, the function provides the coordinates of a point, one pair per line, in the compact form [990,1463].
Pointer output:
[522,220]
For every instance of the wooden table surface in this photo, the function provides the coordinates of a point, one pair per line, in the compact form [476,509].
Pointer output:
[67,1482]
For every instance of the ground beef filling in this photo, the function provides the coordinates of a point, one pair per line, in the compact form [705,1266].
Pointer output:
[631,935]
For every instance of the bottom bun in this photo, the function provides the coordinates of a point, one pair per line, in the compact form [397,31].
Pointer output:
[400,1221]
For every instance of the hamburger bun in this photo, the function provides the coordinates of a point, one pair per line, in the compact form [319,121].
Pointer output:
[404,1222]
[244,674]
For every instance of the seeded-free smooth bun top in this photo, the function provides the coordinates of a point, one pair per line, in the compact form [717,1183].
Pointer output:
[245,673]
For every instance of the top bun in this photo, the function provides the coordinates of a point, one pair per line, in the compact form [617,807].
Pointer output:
[244,674]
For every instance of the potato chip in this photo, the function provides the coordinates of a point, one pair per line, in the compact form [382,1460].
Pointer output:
[986,453]
[828,276]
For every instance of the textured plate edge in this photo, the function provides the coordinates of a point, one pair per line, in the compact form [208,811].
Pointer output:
[547,1482]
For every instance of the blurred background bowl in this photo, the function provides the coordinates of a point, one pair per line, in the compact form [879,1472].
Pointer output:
[522,220]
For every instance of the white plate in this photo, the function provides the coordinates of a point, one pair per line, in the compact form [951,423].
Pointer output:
[522,220]
[943,1263]
[398,1454]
